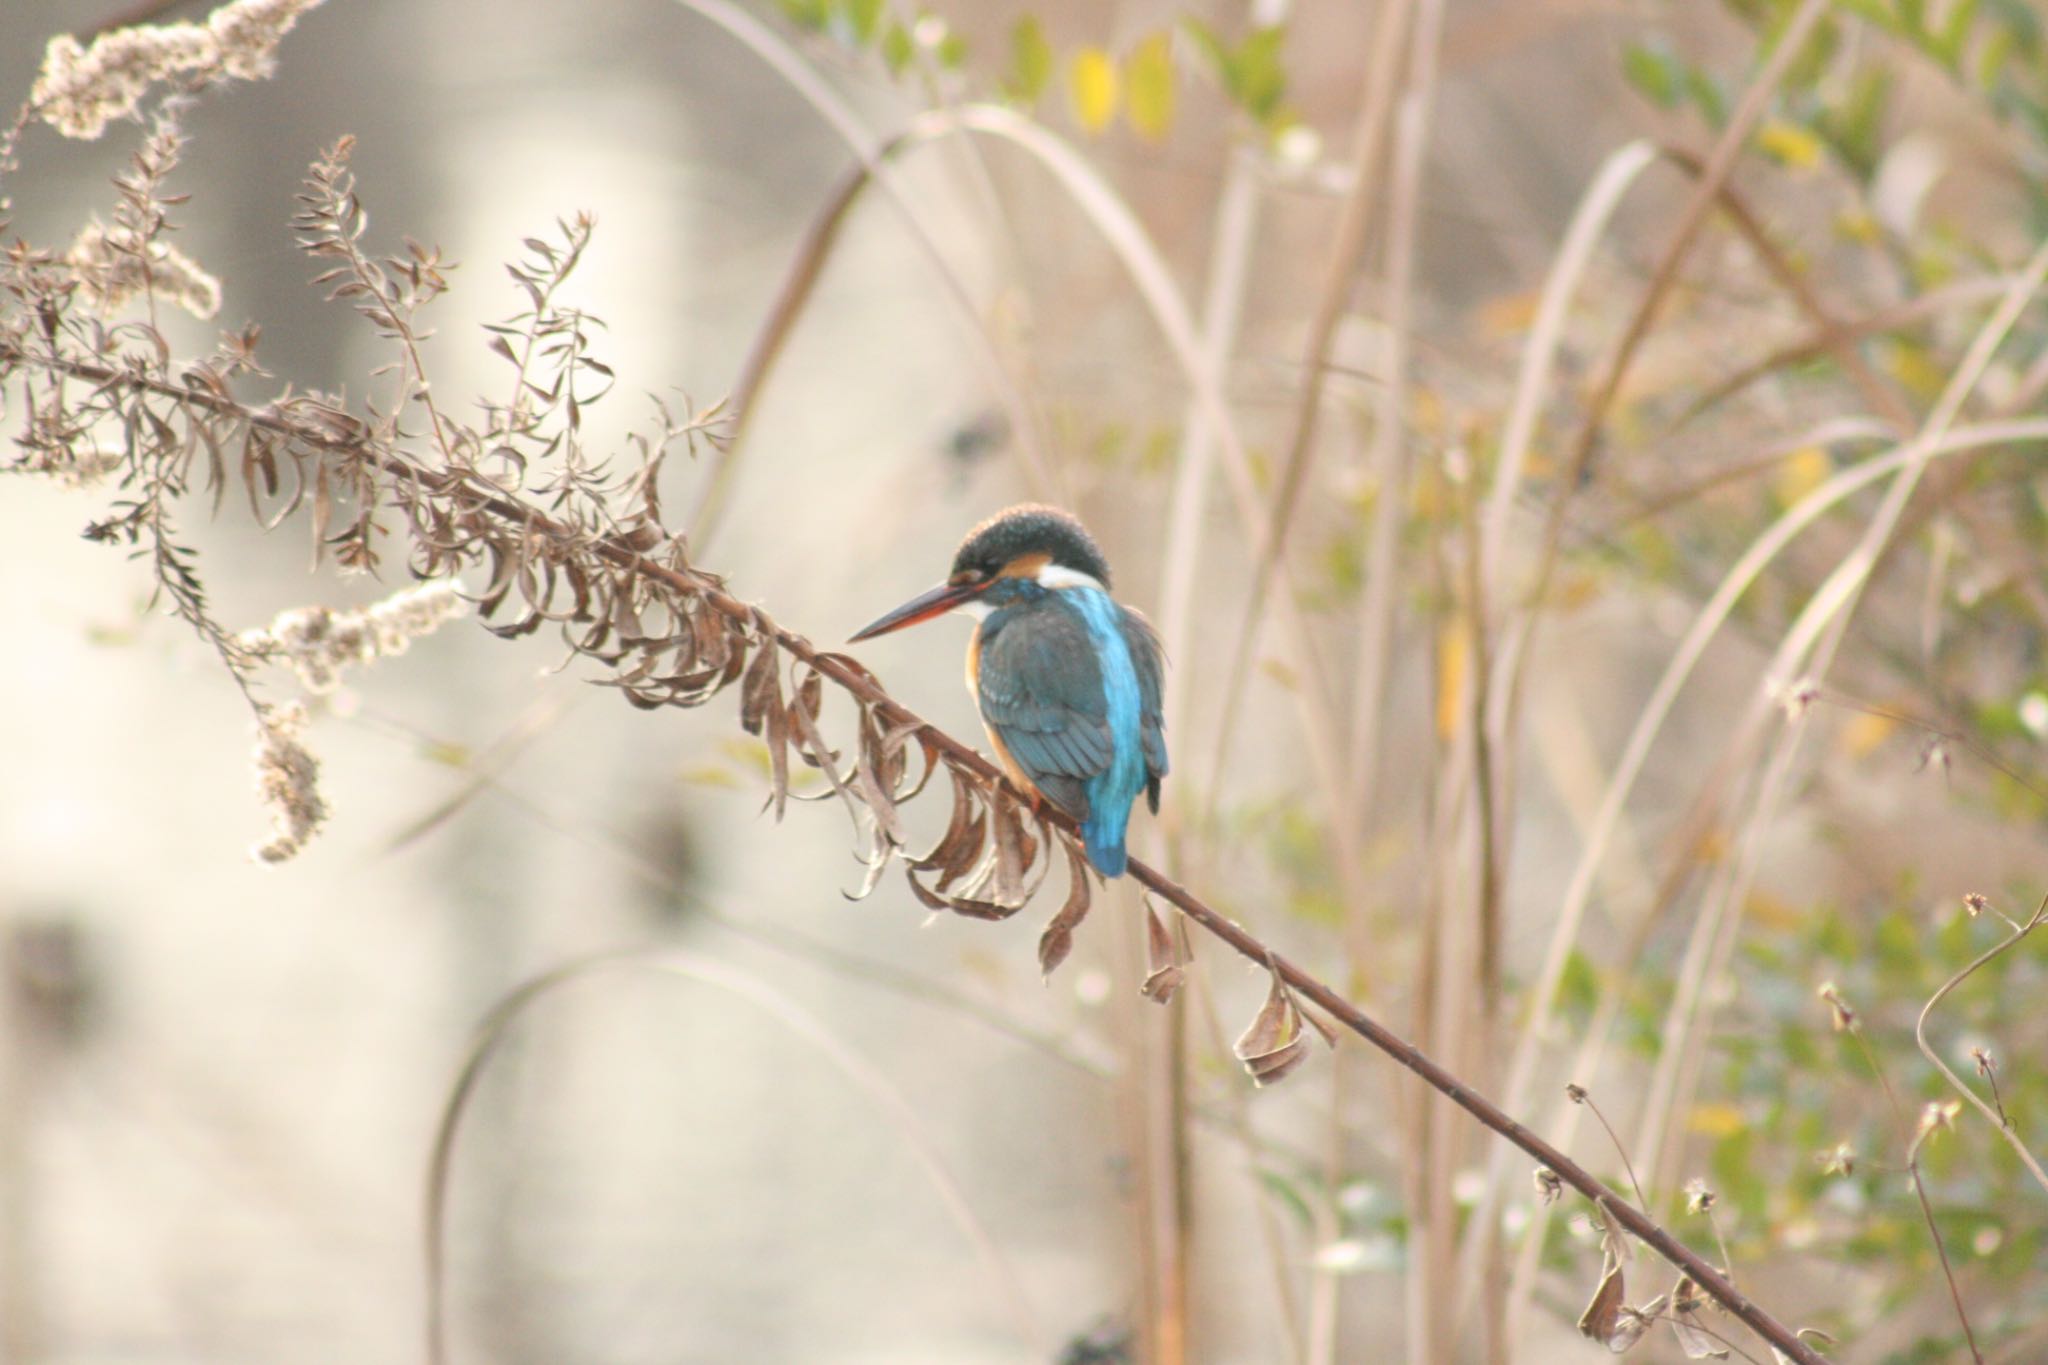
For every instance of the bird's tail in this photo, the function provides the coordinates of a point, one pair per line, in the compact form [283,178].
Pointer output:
[1104,835]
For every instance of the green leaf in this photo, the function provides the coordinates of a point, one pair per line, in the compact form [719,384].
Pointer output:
[810,14]
[1815,57]
[897,48]
[1856,126]
[1030,61]
[1992,56]
[1251,73]
[1954,33]
[1148,81]
[1261,80]
[863,18]
[1212,47]
[1706,95]
[1579,985]
[1654,71]
[1285,1190]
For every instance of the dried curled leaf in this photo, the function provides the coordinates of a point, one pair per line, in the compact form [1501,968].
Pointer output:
[810,740]
[875,773]
[1696,1341]
[763,713]
[1165,963]
[1016,850]
[1602,1317]
[950,856]
[1058,939]
[960,858]
[879,771]
[1277,1040]
[1634,1325]
[1609,1319]
[1809,1335]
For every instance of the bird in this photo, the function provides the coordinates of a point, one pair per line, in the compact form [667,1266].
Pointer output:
[1067,679]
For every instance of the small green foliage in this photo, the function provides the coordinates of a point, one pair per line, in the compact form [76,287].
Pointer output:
[1656,72]
[1343,564]
[870,26]
[898,47]
[1251,71]
[1149,79]
[1579,988]
[1287,1191]
[1031,61]
[863,19]
[1853,123]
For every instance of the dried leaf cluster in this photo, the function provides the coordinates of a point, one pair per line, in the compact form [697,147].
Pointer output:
[548,534]
[551,534]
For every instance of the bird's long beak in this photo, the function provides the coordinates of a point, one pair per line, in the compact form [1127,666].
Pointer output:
[922,607]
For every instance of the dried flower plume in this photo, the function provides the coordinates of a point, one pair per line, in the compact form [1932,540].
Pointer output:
[113,266]
[317,643]
[288,776]
[83,89]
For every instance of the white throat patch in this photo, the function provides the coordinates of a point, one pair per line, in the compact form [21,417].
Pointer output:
[1059,576]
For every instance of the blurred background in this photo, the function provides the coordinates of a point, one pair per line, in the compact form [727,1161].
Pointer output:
[223,1079]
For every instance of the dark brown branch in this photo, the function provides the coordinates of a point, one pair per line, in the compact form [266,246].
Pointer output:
[148,11]
[475,495]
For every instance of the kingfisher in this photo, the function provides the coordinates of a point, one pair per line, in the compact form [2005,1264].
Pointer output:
[1067,679]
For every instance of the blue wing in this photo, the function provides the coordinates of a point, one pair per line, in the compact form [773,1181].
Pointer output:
[1149,662]
[1040,688]
[1047,702]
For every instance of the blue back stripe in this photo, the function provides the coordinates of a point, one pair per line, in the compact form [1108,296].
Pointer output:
[1111,791]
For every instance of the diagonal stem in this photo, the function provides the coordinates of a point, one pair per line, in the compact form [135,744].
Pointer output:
[1999,1122]
[475,495]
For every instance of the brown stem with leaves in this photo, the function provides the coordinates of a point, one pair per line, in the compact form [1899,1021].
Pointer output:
[465,493]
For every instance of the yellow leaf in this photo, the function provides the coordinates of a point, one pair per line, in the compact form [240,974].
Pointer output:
[446,752]
[1626,418]
[1800,473]
[1091,88]
[1426,499]
[1148,77]
[1509,315]
[1863,733]
[1426,410]
[1716,1120]
[1772,912]
[1452,649]
[710,775]
[1854,225]
[1915,367]
[1571,591]
[1789,144]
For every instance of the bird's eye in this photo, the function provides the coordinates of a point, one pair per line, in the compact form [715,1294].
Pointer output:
[966,578]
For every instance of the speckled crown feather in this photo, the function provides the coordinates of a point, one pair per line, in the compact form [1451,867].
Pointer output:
[1031,529]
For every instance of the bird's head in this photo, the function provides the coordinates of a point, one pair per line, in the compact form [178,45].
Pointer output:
[1032,542]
